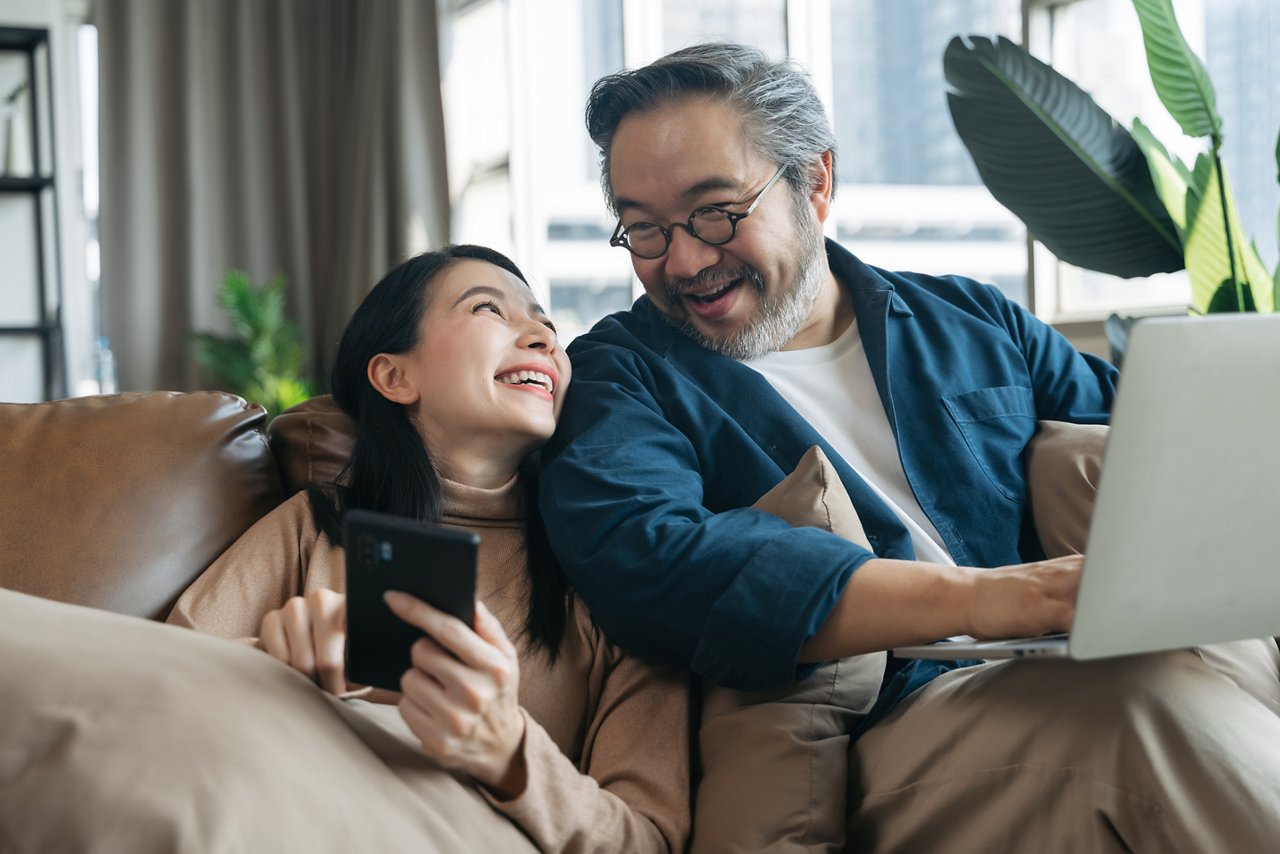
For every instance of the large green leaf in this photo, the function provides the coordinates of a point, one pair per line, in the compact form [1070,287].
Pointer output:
[1228,297]
[1207,260]
[1179,76]
[1058,161]
[1172,179]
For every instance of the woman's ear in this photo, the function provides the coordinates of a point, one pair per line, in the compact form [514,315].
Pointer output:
[388,377]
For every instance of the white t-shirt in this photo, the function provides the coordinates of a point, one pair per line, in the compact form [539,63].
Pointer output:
[832,388]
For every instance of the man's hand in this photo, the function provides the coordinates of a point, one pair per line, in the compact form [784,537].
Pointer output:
[891,603]
[460,696]
[309,633]
[1023,600]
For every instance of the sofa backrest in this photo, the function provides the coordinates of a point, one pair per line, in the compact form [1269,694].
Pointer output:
[311,442]
[119,502]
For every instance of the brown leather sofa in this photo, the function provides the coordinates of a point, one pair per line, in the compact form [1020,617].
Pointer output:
[119,502]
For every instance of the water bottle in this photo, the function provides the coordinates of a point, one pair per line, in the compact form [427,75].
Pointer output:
[104,366]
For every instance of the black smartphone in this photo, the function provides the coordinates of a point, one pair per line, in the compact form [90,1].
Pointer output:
[433,563]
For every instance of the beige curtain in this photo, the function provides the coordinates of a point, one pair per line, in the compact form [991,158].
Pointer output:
[295,137]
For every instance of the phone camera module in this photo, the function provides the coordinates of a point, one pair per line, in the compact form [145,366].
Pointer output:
[366,550]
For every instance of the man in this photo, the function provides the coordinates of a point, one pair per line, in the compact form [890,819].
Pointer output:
[755,341]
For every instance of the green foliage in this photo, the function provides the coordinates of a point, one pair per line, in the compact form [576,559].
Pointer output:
[1180,78]
[1058,160]
[1100,197]
[263,360]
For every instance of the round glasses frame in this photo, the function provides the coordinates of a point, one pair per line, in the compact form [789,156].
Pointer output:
[621,235]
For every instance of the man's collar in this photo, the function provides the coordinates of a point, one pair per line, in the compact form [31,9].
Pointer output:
[868,285]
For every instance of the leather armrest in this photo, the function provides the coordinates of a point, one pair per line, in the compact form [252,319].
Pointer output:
[119,502]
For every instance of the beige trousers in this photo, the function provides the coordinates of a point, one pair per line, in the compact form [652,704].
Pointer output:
[123,735]
[1168,752]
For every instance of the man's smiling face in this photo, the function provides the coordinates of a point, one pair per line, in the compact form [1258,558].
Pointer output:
[743,298]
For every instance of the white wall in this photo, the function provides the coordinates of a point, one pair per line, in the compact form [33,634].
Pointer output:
[18,380]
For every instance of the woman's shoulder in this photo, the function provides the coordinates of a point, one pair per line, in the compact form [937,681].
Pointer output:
[293,520]
[294,511]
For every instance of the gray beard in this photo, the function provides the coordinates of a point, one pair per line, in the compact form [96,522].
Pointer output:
[777,319]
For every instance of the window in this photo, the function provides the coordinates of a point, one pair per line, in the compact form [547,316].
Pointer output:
[909,196]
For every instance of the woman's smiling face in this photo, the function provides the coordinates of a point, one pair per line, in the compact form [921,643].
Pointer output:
[488,373]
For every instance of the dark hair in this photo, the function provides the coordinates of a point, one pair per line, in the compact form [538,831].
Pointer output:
[390,469]
[782,114]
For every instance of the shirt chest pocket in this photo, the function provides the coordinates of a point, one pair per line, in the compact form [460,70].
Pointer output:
[996,424]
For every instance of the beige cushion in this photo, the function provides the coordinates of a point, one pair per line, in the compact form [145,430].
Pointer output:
[775,763]
[1064,465]
[119,502]
[127,735]
[812,496]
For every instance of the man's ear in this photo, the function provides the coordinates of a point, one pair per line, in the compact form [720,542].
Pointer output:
[388,377]
[822,183]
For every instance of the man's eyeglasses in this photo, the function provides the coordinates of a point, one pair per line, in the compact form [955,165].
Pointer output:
[710,224]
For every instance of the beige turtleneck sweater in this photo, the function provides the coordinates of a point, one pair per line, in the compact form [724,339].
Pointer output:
[607,736]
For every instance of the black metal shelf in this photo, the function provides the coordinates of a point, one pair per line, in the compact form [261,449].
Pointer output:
[9,184]
[22,38]
[40,329]
[34,48]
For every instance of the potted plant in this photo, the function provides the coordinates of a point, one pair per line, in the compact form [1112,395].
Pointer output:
[263,361]
[1100,196]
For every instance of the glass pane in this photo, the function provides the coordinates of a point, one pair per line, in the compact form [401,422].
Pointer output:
[21,369]
[1240,51]
[890,95]
[579,303]
[761,23]
[576,42]
[910,197]
[19,299]
[475,71]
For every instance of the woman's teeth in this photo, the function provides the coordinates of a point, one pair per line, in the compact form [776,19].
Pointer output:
[528,378]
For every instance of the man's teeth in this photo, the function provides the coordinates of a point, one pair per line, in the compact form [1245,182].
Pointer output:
[712,294]
[528,378]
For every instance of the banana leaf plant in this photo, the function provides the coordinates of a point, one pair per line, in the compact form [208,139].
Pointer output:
[1100,196]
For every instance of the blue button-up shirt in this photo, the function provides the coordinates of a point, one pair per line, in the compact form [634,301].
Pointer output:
[663,446]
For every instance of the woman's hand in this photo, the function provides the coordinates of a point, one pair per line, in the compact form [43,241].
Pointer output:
[460,696]
[309,634]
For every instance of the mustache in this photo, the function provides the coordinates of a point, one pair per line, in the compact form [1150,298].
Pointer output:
[674,288]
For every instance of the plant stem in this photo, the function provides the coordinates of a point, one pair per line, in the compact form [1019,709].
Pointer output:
[1226,222]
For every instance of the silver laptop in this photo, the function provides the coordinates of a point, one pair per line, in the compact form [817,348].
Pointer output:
[1184,547]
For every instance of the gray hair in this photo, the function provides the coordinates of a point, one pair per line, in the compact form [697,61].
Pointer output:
[782,114]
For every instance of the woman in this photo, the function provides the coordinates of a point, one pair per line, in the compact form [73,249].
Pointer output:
[453,376]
